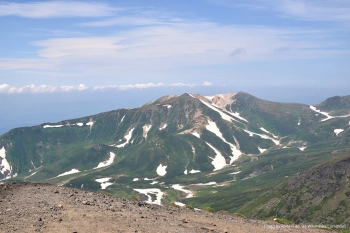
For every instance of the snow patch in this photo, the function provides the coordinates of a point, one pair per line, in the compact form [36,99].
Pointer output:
[193,150]
[262,150]
[91,123]
[167,105]
[323,113]
[338,131]
[235,173]
[263,136]
[326,114]
[222,114]
[302,148]
[30,175]
[206,184]
[161,170]
[186,172]
[212,127]
[127,137]
[148,192]
[163,127]
[73,171]
[154,182]
[237,115]
[104,182]
[122,119]
[181,188]
[219,161]
[179,204]
[5,166]
[210,97]
[107,162]
[80,124]
[266,131]
[52,126]
[32,165]
[136,179]
[196,134]
[194,171]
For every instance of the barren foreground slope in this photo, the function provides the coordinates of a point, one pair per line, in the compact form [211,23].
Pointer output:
[46,208]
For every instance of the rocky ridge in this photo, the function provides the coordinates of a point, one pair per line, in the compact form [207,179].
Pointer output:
[26,207]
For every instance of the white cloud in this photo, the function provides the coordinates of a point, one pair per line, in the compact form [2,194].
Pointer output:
[126,20]
[312,10]
[148,85]
[316,10]
[52,9]
[7,89]
[206,83]
[160,47]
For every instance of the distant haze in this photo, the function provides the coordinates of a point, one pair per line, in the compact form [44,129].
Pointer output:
[19,110]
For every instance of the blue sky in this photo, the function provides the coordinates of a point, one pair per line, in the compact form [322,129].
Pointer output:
[285,50]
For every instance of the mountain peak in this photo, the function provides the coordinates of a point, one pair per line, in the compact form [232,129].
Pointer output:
[336,105]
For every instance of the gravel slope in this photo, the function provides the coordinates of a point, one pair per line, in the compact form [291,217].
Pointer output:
[45,208]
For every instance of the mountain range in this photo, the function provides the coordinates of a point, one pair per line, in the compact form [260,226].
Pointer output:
[231,152]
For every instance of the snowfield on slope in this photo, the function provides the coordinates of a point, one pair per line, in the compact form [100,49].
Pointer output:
[223,115]
[338,131]
[104,182]
[148,192]
[161,170]
[194,171]
[263,136]
[326,114]
[212,127]
[196,134]
[219,161]
[237,115]
[181,188]
[52,126]
[262,150]
[107,162]
[122,119]
[163,127]
[127,138]
[266,131]
[206,184]
[179,204]
[5,166]
[73,171]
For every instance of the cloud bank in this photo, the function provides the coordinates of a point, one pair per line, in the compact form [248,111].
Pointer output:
[7,89]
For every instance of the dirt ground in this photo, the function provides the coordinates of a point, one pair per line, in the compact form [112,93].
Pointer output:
[45,208]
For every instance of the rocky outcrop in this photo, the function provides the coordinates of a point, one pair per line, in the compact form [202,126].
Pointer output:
[319,194]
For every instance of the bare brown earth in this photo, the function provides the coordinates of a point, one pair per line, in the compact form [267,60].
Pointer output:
[45,208]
